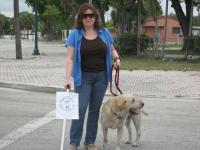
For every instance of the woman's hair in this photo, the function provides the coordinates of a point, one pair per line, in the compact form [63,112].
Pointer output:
[81,11]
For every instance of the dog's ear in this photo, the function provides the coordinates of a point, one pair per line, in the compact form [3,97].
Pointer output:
[121,104]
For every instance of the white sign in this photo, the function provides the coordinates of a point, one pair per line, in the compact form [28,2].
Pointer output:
[67,105]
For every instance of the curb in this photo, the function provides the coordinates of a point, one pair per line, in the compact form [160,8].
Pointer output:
[31,87]
[54,89]
[35,87]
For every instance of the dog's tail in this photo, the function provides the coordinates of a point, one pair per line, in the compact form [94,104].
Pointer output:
[144,112]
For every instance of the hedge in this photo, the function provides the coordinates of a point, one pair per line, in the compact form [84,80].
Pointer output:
[126,43]
[193,45]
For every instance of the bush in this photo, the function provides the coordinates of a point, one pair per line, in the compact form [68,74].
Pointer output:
[126,43]
[193,45]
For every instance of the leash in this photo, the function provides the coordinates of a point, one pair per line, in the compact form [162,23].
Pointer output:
[116,80]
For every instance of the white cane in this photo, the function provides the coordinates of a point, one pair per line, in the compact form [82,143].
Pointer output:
[63,131]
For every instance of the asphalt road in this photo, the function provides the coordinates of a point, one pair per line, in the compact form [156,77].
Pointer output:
[27,122]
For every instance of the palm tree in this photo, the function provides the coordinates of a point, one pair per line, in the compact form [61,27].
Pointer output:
[17,30]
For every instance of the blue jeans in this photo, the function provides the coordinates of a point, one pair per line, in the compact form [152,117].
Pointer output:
[92,90]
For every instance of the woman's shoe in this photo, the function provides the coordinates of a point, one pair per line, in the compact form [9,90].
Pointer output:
[72,147]
[90,147]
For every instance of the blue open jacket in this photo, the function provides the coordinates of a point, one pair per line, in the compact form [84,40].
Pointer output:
[74,39]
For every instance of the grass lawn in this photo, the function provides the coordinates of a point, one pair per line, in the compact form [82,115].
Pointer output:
[145,63]
[174,52]
[172,46]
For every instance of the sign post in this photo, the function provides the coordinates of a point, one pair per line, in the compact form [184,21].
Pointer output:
[66,108]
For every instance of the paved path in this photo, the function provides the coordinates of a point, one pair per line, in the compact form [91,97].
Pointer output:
[48,70]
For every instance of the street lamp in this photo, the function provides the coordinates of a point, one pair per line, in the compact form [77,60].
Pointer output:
[138,27]
[36,50]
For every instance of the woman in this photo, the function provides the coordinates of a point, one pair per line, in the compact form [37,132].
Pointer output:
[89,52]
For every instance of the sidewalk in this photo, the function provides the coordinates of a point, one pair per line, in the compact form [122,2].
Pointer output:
[47,71]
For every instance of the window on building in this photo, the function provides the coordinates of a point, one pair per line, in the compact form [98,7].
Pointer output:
[176,30]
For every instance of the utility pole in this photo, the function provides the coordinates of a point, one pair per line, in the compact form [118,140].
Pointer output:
[36,50]
[17,30]
[165,31]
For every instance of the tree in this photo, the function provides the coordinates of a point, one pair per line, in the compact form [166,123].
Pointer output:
[8,28]
[52,23]
[125,12]
[2,23]
[152,8]
[101,8]
[5,25]
[154,4]
[17,30]
[70,7]
[26,21]
[184,18]
[122,14]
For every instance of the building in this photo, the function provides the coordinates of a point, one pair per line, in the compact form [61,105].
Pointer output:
[196,31]
[174,32]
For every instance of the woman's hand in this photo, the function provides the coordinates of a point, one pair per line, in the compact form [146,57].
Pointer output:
[115,57]
[117,63]
[68,83]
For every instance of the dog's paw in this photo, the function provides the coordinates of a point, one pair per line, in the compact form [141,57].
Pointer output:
[136,144]
[128,142]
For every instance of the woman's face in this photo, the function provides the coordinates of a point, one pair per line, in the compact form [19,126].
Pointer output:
[88,18]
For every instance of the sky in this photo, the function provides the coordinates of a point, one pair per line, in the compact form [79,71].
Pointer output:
[6,7]
[171,10]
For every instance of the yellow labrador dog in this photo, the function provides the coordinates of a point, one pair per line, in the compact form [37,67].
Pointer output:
[113,115]
[135,116]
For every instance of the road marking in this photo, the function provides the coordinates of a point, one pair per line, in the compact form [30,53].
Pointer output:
[26,129]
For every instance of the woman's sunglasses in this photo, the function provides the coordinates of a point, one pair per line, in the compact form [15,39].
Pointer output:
[88,16]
